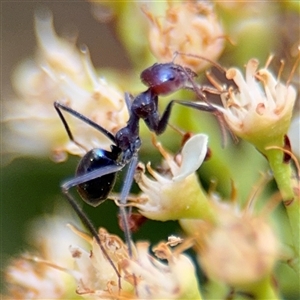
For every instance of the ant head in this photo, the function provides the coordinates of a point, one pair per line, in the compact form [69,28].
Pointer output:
[166,78]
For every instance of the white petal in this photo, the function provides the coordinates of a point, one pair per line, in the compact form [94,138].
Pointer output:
[193,154]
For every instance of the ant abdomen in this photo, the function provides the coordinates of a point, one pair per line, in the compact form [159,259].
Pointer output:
[164,79]
[95,191]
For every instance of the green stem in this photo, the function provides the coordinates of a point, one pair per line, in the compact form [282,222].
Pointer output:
[263,289]
[283,175]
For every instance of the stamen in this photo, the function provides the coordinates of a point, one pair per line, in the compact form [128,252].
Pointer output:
[214,81]
[294,68]
[81,234]
[282,63]
[269,60]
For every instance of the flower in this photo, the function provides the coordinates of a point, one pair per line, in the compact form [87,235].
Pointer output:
[73,266]
[66,265]
[240,248]
[176,194]
[29,280]
[46,274]
[188,27]
[155,280]
[95,275]
[59,72]
[244,245]
[260,110]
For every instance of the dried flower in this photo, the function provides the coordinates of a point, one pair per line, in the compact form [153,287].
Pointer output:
[176,194]
[59,72]
[95,276]
[52,274]
[67,267]
[155,280]
[189,27]
[236,248]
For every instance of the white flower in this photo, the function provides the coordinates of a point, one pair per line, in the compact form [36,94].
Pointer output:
[176,193]
[47,274]
[59,72]
[260,110]
[69,264]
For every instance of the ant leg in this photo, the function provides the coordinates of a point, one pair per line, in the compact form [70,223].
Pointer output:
[91,175]
[123,200]
[58,106]
[219,115]
[67,128]
[124,194]
[86,221]
[163,122]
[200,90]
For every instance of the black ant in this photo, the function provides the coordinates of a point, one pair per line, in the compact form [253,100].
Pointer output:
[96,173]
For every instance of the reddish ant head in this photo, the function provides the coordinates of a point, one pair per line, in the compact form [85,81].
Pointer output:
[164,79]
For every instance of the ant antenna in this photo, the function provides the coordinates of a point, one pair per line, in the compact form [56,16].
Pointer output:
[176,53]
[215,64]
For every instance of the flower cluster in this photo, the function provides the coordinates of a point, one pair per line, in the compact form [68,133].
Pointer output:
[59,72]
[57,272]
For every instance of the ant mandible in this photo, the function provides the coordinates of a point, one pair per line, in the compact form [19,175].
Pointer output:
[96,172]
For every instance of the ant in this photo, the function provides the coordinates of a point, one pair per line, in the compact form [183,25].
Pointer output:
[96,172]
